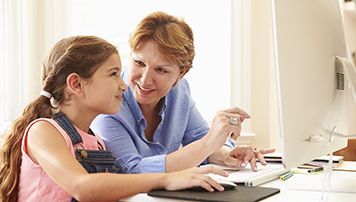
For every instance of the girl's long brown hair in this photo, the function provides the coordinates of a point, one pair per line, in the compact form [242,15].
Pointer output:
[81,55]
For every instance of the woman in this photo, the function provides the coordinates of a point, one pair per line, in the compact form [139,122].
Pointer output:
[52,155]
[158,114]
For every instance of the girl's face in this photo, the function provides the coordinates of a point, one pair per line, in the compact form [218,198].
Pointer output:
[103,91]
[150,76]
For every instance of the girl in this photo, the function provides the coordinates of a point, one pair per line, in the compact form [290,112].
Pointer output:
[50,150]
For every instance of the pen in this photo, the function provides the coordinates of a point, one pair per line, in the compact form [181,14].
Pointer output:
[316,169]
[286,176]
[310,169]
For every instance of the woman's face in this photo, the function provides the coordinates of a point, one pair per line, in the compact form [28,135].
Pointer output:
[151,76]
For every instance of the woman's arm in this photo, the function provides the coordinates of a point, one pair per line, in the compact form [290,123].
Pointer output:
[47,147]
[211,145]
[239,156]
[193,154]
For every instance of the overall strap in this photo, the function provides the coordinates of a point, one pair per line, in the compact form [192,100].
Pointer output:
[73,134]
[65,123]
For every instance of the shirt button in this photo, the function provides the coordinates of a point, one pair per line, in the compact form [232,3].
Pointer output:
[83,153]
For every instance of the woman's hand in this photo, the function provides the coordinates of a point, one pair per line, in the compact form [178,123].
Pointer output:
[194,177]
[226,122]
[241,156]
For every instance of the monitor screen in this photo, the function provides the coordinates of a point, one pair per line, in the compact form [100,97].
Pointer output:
[308,35]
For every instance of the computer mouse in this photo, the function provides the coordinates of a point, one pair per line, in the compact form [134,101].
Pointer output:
[226,184]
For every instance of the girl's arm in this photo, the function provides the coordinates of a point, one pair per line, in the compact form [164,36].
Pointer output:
[46,147]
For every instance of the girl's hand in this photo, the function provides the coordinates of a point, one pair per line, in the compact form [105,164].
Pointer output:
[194,177]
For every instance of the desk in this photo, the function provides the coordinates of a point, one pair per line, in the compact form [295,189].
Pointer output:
[300,187]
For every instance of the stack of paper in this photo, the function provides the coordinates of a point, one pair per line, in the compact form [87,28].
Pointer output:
[346,166]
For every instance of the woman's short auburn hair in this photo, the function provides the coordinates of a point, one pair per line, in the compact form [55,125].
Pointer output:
[173,36]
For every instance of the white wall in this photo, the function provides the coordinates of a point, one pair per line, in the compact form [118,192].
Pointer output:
[264,103]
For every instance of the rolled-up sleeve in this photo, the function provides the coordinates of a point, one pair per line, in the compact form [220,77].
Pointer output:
[197,128]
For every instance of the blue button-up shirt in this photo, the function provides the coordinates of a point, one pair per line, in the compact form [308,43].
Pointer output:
[123,133]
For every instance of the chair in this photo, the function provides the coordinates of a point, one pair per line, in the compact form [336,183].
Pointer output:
[349,153]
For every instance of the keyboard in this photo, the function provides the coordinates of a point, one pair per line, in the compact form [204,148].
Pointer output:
[250,178]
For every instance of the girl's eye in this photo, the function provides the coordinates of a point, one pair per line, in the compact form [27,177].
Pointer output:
[115,74]
[139,63]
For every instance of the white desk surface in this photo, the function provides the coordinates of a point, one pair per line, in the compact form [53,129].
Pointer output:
[300,187]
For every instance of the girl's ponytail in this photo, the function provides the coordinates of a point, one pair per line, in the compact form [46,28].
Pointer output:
[10,153]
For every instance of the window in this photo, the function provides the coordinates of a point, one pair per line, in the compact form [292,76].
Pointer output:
[220,74]
[114,21]
[11,46]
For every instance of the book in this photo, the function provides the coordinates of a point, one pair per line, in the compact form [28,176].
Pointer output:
[321,161]
[273,157]
[324,160]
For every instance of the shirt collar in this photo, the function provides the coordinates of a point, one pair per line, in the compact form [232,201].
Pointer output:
[131,101]
[135,108]
[133,105]
[164,105]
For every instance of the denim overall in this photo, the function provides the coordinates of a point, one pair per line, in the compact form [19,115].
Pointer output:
[94,161]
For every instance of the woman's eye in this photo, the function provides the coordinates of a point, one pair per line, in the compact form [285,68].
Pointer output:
[139,63]
[162,70]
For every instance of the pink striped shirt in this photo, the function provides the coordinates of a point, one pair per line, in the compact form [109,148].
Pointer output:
[35,184]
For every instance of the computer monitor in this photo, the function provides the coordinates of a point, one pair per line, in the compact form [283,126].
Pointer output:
[312,101]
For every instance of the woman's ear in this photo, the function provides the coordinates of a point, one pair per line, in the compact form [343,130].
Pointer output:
[74,84]
[182,72]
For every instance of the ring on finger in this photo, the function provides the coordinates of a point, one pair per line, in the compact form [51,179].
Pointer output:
[233,121]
